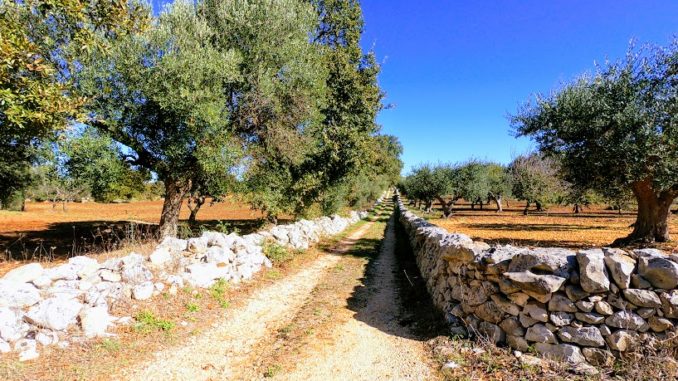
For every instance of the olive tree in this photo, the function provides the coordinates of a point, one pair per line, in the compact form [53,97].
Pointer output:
[39,43]
[211,87]
[535,180]
[428,183]
[617,128]
[499,183]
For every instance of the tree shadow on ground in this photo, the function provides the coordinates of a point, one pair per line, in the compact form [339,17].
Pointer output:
[533,227]
[415,316]
[67,239]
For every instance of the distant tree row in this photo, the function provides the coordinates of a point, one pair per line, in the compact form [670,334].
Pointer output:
[532,178]
[272,101]
[478,183]
[615,132]
[611,136]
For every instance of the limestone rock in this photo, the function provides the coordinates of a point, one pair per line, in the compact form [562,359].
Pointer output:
[461,248]
[540,284]
[25,273]
[669,303]
[491,332]
[561,318]
[519,298]
[585,336]
[143,291]
[47,337]
[174,244]
[489,311]
[197,245]
[598,357]
[589,317]
[623,340]
[592,271]
[54,313]
[517,342]
[560,352]
[505,305]
[620,266]
[638,281]
[204,274]
[575,292]
[84,266]
[136,273]
[540,334]
[160,257]
[626,320]
[660,271]
[512,327]
[16,294]
[555,261]
[585,305]
[642,298]
[536,312]
[110,275]
[603,308]
[27,350]
[560,303]
[5,347]
[95,321]
[658,324]
[12,327]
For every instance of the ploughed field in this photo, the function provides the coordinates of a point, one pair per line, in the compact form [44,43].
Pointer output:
[558,226]
[44,231]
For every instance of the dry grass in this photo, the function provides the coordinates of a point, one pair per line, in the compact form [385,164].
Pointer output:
[480,360]
[557,226]
[44,233]
[42,216]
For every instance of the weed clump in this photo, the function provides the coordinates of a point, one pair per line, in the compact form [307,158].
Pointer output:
[276,253]
[147,323]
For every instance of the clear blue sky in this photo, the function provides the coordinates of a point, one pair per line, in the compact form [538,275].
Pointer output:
[454,69]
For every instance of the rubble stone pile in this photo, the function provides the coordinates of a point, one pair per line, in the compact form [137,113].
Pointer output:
[50,306]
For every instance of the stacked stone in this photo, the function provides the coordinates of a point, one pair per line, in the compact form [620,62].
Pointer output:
[585,306]
[42,306]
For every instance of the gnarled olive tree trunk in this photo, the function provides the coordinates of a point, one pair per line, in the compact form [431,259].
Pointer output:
[194,205]
[497,199]
[175,191]
[446,206]
[652,220]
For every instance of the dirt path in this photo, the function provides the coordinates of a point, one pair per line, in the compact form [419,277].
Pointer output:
[339,318]
[216,353]
[371,344]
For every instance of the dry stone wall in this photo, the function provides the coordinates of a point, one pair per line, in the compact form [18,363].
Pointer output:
[52,306]
[576,306]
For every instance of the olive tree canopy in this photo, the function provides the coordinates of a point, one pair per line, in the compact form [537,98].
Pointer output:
[617,129]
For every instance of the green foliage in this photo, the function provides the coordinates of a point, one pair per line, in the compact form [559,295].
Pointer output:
[535,179]
[147,322]
[276,253]
[474,181]
[617,129]
[38,49]
[340,166]
[218,292]
[48,180]
[192,307]
[220,81]
[110,345]
[95,161]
